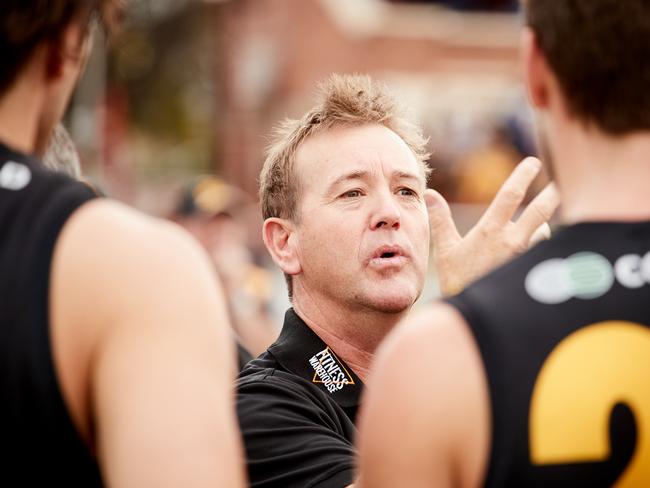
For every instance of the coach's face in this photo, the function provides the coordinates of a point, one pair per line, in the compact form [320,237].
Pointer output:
[362,234]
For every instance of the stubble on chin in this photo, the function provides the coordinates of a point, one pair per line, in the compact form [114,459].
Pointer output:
[386,302]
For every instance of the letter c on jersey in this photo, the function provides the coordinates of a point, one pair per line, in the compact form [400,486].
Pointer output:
[584,377]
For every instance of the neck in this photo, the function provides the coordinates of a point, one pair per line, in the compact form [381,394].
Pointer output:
[601,177]
[353,335]
[19,109]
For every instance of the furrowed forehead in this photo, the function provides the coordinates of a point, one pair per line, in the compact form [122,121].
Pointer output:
[366,175]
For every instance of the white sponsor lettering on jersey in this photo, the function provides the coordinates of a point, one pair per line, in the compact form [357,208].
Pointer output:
[585,275]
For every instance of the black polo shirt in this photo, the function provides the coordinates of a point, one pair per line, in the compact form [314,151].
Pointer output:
[297,404]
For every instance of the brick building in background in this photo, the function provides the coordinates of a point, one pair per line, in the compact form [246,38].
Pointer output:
[457,70]
[196,86]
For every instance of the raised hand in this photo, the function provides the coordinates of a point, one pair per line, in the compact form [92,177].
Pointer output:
[495,238]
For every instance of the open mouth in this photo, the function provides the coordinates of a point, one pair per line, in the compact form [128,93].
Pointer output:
[387,252]
[388,257]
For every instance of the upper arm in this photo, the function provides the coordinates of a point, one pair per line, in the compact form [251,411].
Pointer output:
[162,360]
[291,438]
[425,418]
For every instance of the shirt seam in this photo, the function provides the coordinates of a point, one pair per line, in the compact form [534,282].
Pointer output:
[320,482]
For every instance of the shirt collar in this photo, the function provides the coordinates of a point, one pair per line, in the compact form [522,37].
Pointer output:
[303,353]
[9,154]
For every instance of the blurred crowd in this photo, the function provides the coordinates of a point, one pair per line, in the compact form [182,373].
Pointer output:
[191,89]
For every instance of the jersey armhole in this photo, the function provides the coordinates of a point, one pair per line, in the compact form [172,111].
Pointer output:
[463,304]
[51,225]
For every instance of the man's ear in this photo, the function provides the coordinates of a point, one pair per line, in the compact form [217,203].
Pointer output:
[279,238]
[68,46]
[55,59]
[536,70]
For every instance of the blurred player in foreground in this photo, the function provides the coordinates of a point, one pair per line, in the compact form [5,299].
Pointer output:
[538,374]
[115,360]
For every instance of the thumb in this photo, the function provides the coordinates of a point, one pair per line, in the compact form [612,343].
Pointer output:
[442,227]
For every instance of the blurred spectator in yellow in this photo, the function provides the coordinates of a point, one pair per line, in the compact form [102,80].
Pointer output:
[212,211]
[481,173]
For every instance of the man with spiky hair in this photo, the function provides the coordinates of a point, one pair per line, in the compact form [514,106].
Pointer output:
[115,359]
[343,196]
[538,374]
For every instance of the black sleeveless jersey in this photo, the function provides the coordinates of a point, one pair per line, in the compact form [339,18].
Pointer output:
[564,334]
[39,443]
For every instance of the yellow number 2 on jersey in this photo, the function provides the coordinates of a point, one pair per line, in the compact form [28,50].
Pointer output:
[585,376]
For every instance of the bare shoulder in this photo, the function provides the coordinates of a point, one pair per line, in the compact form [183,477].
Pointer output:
[435,326]
[424,356]
[111,260]
[137,311]
[112,237]
[427,397]
[104,225]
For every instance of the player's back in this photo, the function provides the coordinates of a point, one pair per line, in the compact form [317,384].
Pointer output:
[40,444]
[564,334]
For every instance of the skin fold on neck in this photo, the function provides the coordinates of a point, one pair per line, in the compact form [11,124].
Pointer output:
[589,163]
[353,335]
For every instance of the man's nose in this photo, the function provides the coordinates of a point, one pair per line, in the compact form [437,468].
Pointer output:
[386,213]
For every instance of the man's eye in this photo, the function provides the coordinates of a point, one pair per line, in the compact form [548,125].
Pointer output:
[407,192]
[352,194]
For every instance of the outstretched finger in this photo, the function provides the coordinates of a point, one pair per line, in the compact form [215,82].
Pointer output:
[443,229]
[512,193]
[542,233]
[539,211]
